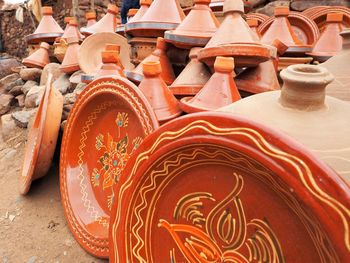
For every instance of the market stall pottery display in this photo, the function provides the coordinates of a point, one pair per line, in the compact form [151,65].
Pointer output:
[163,102]
[141,47]
[89,55]
[192,79]
[160,17]
[38,59]
[196,29]
[218,5]
[211,187]
[219,91]
[70,62]
[234,39]
[302,110]
[108,122]
[339,67]
[72,30]
[91,20]
[319,15]
[48,29]
[159,54]
[42,138]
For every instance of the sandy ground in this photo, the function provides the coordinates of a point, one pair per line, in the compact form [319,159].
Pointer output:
[33,228]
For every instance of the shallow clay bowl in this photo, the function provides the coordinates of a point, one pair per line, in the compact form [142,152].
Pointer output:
[217,187]
[108,122]
[42,137]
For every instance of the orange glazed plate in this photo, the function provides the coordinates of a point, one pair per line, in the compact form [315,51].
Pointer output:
[107,124]
[212,187]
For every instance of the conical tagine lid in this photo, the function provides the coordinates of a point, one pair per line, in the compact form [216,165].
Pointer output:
[91,20]
[234,39]
[253,24]
[72,29]
[40,58]
[144,5]
[70,62]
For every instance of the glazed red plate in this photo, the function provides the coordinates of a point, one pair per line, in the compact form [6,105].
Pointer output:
[107,124]
[212,187]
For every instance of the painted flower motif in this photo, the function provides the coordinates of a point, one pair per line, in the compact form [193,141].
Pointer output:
[95,177]
[99,142]
[122,119]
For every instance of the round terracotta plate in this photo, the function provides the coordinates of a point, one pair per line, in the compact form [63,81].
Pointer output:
[216,188]
[107,124]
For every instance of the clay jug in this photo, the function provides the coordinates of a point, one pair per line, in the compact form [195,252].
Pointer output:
[218,92]
[163,102]
[302,110]
[40,58]
[108,23]
[70,62]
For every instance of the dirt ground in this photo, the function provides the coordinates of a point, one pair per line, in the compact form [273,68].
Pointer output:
[33,228]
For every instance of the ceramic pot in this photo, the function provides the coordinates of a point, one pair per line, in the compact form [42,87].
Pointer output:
[302,110]
[163,102]
[72,30]
[48,29]
[234,39]
[70,62]
[253,24]
[42,137]
[60,48]
[38,59]
[196,29]
[91,20]
[285,62]
[141,47]
[257,16]
[218,92]
[144,5]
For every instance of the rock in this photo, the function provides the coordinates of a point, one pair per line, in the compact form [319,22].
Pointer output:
[22,118]
[34,96]
[255,3]
[69,98]
[75,79]
[18,82]
[6,101]
[301,5]
[79,88]
[62,84]
[20,100]
[54,69]
[30,74]
[16,90]
[6,65]
[270,7]
[8,127]
[66,110]
[12,217]
[28,85]
[32,259]
[8,80]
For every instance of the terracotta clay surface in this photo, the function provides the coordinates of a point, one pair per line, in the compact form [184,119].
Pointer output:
[235,39]
[285,62]
[141,47]
[163,102]
[89,55]
[339,67]
[42,137]
[40,58]
[108,122]
[196,29]
[319,15]
[302,110]
[60,48]
[218,92]
[253,24]
[72,30]
[217,188]
[70,63]
[91,20]
[161,16]
[144,5]
[260,17]
[192,79]
[48,29]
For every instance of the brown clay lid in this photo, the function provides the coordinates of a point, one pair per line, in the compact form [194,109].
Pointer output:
[90,15]
[132,12]
[48,29]
[40,58]
[218,92]
[72,30]
[235,39]
[67,19]
[196,29]
[70,62]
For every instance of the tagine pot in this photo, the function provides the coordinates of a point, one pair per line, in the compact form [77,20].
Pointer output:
[302,110]
[38,59]
[60,48]
[141,47]
[72,30]
[70,63]
[253,24]
[144,6]
[91,20]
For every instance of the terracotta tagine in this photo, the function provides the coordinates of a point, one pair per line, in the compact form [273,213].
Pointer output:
[330,42]
[302,110]
[163,102]
[131,13]
[161,16]
[235,39]
[144,5]
[42,137]
[72,30]
[141,47]
[60,48]
[108,23]
[281,29]
[107,123]
[192,79]
[91,20]
[38,59]
[339,67]
[253,24]
[216,188]
[218,92]
[159,54]
[48,29]
[284,62]
[196,29]
[257,16]
[70,62]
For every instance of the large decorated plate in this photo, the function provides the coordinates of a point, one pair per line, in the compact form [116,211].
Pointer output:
[211,187]
[107,124]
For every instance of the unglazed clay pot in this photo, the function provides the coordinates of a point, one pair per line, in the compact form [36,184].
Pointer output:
[339,67]
[192,79]
[285,62]
[281,29]
[141,47]
[253,24]
[60,48]
[330,42]
[108,23]
[144,5]
[70,62]
[196,29]
[161,16]
[48,29]
[257,16]
[42,137]
[163,102]
[38,59]
[235,39]
[218,92]
[159,54]
[72,30]
[91,20]
[303,111]
[210,187]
